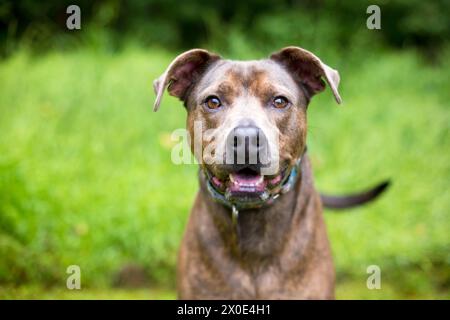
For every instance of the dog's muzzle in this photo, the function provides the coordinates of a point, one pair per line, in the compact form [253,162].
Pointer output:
[251,191]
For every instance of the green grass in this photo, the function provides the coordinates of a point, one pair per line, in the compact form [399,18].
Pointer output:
[39,293]
[86,176]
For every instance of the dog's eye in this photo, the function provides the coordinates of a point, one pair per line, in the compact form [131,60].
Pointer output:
[212,102]
[280,102]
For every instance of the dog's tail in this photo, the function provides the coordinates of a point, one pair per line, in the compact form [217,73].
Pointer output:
[353,200]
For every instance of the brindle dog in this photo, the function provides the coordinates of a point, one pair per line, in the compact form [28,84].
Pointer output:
[254,235]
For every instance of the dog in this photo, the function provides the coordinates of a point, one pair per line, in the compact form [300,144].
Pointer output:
[256,230]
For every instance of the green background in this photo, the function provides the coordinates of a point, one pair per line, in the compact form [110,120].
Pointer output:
[85,170]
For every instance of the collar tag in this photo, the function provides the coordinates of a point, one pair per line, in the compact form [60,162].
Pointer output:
[234,216]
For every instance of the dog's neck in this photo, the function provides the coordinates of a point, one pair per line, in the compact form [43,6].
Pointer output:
[262,233]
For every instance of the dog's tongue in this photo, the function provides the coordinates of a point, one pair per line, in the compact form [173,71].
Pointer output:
[241,182]
[246,178]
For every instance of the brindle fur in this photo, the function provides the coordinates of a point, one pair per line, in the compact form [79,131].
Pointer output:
[277,252]
[282,251]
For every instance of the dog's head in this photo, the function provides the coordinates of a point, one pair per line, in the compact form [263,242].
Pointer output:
[251,114]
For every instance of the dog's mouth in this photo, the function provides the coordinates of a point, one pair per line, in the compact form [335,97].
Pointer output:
[247,184]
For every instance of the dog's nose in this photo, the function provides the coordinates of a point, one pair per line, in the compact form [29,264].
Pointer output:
[248,144]
[248,137]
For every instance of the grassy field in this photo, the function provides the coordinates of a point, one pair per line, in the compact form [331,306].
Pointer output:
[86,176]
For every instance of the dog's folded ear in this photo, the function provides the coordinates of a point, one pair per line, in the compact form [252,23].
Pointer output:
[308,69]
[182,72]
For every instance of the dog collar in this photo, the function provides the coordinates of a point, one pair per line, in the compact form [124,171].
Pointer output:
[266,199]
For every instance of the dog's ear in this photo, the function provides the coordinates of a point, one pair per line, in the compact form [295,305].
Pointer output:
[182,72]
[309,70]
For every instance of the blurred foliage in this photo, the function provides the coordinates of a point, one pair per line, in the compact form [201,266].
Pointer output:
[86,176]
[177,24]
[85,170]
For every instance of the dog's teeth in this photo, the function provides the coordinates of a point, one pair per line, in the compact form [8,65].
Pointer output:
[231,178]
